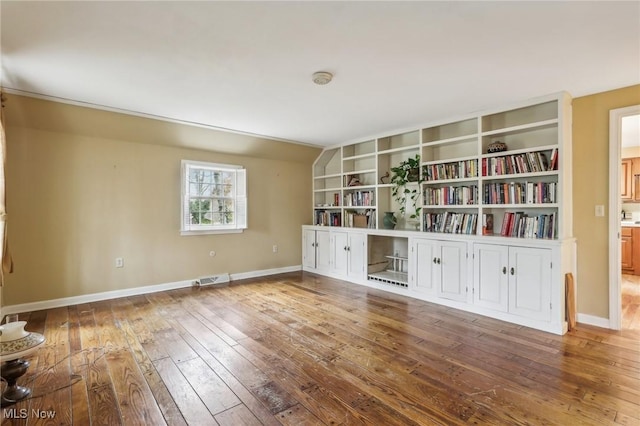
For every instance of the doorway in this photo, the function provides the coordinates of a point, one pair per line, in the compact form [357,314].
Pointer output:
[624,129]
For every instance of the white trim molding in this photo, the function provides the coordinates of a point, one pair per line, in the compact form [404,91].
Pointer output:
[105,295]
[593,320]
[615,207]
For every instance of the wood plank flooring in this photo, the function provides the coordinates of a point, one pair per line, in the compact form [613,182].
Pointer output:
[300,349]
[630,302]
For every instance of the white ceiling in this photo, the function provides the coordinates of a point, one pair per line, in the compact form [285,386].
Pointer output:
[247,66]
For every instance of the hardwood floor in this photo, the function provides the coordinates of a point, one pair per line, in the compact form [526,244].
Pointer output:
[630,302]
[299,349]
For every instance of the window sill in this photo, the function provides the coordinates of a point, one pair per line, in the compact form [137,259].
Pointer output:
[212,231]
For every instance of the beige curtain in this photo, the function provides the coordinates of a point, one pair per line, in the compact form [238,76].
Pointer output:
[7,262]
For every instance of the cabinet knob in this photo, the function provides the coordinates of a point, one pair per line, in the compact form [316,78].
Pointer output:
[345,248]
[438,261]
[504,270]
[348,248]
[435,260]
[513,271]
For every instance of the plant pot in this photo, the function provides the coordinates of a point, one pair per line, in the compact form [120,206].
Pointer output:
[389,220]
[413,175]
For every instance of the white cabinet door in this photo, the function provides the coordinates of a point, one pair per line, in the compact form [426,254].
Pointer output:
[315,249]
[530,282]
[339,253]
[491,282]
[439,268]
[309,248]
[357,259]
[348,254]
[451,270]
[423,263]
[323,250]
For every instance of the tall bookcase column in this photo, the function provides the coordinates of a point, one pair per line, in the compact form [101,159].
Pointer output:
[392,151]
[359,182]
[525,167]
[450,171]
[327,188]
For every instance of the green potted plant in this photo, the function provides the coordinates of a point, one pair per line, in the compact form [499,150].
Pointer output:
[406,172]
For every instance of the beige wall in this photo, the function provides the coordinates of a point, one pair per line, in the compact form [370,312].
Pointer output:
[591,187]
[77,200]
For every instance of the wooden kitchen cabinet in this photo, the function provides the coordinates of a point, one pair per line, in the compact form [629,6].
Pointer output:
[630,180]
[626,179]
[627,250]
[635,180]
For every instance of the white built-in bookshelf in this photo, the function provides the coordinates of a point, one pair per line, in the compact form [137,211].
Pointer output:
[522,190]
[514,272]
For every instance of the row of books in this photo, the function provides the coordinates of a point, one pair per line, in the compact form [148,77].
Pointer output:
[328,218]
[521,225]
[455,170]
[360,220]
[451,195]
[359,198]
[529,162]
[520,193]
[451,223]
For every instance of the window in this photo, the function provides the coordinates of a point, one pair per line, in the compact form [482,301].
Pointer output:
[214,198]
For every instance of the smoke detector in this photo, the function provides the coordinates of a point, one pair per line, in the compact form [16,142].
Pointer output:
[322,77]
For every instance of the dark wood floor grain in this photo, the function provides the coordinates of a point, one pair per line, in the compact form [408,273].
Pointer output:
[298,349]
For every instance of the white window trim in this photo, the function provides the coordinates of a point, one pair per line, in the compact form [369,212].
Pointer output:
[236,229]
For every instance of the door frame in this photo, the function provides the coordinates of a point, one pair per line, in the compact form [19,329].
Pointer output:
[615,207]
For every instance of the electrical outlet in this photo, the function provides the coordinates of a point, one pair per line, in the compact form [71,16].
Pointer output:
[600,210]
[275,248]
[119,262]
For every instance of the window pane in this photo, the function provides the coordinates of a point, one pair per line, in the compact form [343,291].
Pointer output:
[211,196]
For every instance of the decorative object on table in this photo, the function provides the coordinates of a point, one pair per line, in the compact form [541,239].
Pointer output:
[487,224]
[496,146]
[16,343]
[389,220]
[354,180]
[384,179]
[408,171]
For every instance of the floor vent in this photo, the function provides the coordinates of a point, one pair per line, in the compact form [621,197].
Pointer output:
[213,279]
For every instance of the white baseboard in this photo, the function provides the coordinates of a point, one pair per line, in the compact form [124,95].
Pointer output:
[96,297]
[265,272]
[593,320]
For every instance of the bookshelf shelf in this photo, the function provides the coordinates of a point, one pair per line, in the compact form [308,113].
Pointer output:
[358,157]
[327,190]
[520,175]
[522,206]
[521,151]
[449,181]
[328,176]
[401,149]
[449,206]
[450,160]
[546,124]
